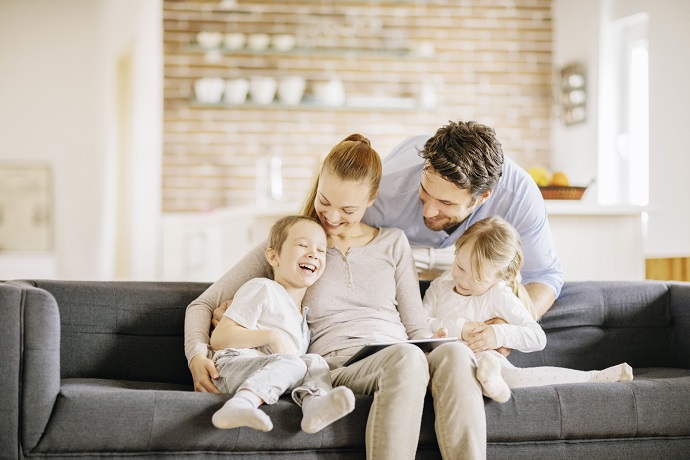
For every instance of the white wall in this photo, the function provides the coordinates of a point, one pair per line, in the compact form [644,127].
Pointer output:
[58,69]
[574,148]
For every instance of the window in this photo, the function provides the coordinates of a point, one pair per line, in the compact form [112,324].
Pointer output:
[624,122]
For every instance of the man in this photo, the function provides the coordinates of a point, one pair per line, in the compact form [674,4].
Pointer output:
[433,188]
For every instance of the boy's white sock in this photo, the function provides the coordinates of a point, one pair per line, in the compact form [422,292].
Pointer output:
[489,377]
[242,410]
[618,373]
[320,411]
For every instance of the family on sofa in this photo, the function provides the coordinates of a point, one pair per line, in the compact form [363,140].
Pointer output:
[353,279]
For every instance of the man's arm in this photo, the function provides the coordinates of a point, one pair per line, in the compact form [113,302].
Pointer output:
[542,297]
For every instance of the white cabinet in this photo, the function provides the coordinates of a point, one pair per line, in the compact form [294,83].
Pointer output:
[203,246]
[598,242]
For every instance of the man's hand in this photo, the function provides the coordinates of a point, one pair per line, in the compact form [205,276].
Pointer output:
[203,370]
[219,312]
[505,351]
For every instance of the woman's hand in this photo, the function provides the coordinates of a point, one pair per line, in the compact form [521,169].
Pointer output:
[441,333]
[219,312]
[203,370]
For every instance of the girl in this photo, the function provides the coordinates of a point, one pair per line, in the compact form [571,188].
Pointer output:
[482,284]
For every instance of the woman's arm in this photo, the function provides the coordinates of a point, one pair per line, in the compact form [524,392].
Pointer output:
[198,315]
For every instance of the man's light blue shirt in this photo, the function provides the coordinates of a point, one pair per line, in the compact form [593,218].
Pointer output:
[516,198]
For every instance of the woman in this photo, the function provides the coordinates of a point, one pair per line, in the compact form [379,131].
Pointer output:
[369,292]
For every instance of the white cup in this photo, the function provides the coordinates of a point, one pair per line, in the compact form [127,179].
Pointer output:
[262,90]
[236,90]
[291,89]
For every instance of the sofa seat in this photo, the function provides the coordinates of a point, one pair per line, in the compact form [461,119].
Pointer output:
[138,417]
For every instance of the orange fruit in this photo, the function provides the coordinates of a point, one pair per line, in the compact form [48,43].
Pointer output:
[559,178]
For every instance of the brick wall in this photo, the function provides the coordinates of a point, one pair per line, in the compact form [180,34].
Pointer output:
[491,62]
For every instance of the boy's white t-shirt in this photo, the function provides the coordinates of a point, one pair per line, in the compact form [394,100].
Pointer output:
[446,308]
[263,304]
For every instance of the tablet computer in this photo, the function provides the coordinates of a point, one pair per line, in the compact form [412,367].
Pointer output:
[425,344]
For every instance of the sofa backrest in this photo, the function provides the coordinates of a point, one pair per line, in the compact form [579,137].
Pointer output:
[595,324]
[123,330]
[135,330]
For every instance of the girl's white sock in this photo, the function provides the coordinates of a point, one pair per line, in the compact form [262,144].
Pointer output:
[320,411]
[242,410]
[489,377]
[618,373]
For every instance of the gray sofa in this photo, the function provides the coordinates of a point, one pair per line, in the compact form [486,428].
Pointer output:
[96,369]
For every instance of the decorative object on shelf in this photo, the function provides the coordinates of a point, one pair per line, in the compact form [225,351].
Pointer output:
[560,192]
[258,42]
[329,93]
[234,40]
[427,94]
[209,40]
[209,90]
[262,90]
[236,91]
[572,97]
[291,89]
[283,42]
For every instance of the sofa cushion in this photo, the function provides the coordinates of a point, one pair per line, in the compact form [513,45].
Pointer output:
[126,416]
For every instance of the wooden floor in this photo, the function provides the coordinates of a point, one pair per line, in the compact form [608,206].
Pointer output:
[670,269]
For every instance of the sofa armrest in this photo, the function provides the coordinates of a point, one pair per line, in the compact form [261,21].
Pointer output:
[31,354]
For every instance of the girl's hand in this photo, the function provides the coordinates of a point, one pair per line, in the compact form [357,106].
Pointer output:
[203,370]
[280,343]
[470,328]
[482,338]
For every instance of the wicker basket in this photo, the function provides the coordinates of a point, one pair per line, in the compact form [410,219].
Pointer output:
[558,192]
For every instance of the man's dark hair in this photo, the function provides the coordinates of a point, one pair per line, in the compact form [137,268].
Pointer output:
[466,154]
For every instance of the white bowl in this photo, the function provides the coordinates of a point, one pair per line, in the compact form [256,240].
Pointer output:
[236,90]
[209,90]
[235,40]
[209,39]
[283,42]
[291,90]
[330,93]
[262,90]
[258,42]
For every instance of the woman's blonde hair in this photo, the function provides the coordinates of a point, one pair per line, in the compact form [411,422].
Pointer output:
[496,244]
[352,159]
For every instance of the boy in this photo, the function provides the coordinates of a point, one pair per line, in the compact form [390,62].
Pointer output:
[263,338]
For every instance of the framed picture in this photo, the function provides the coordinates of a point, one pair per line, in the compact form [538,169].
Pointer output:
[26,207]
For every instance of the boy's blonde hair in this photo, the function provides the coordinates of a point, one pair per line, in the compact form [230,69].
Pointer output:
[495,243]
[352,159]
[280,229]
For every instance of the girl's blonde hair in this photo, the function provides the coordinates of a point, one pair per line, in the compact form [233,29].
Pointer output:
[352,159]
[496,244]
